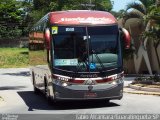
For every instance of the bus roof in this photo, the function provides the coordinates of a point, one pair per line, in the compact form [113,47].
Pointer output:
[78,17]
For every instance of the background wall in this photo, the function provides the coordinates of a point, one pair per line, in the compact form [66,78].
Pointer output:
[18,42]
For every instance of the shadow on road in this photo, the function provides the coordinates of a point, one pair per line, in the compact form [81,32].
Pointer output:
[12,87]
[39,102]
[25,74]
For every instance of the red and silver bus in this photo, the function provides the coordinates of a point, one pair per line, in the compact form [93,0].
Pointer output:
[77,55]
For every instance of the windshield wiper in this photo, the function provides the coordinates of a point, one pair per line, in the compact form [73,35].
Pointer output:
[83,64]
[99,61]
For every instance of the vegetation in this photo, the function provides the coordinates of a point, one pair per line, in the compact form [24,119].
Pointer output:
[41,7]
[149,82]
[10,19]
[148,13]
[147,20]
[18,17]
[13,57]
[37,59]
[153,17]
[119,14]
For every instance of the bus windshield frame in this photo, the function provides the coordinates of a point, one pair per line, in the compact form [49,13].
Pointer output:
[84,49]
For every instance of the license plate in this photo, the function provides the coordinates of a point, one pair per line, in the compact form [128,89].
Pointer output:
[90,95]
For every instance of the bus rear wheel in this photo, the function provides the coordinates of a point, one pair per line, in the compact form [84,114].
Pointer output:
[47,94]
[36,91]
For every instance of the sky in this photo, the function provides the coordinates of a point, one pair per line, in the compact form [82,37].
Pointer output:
[120,4]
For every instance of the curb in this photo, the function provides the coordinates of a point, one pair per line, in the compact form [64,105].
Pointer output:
[142,92]
[133,89]
[144,88]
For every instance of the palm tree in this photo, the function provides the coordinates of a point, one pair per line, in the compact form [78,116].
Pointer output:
[138,9]
[153,16]
[133,19]
[135,13]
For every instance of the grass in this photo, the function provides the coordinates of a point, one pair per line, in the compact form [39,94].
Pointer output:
[37,58]
[13,57]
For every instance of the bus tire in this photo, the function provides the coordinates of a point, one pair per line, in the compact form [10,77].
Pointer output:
[36,91]
[50,100]
[107,100]
[47,93]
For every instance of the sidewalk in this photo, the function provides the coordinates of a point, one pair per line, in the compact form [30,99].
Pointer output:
[128,88]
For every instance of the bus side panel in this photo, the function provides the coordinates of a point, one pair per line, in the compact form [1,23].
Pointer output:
[38,60]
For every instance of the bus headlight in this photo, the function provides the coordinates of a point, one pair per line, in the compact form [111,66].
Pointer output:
[61,83]
[118,81]
[114,82]
[64,84]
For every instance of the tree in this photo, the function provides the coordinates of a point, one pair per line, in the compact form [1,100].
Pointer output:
[27,7]
[103,5]
[119,14]
[144,12]
[10,19]
[153,16]
[41,7]
[138,10]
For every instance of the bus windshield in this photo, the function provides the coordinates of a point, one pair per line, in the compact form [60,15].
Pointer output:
[86,49]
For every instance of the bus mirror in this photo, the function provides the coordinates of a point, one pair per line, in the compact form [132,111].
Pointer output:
[47,38]
[127,38]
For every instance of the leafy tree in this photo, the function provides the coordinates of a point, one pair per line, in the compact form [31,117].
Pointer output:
[153,16]
[103,5]
[10,19]
[27,7]
[9,33]
[41,4]
[138,10]
[148,11]
[119,14]
[41,7]
[33,11]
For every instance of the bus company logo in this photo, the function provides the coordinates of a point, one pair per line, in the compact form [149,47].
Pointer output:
[89,82]
[89,19]
[88,75]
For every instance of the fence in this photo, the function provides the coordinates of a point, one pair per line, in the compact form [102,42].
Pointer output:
[18,42]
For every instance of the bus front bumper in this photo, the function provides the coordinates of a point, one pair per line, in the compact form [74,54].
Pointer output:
[82,92]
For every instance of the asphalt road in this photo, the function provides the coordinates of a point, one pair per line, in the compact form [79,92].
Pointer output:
[17,92]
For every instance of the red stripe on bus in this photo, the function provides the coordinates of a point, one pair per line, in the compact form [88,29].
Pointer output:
[69,80]
[76,81]
[104,80]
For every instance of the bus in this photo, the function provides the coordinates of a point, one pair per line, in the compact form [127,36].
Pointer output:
[77,55]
